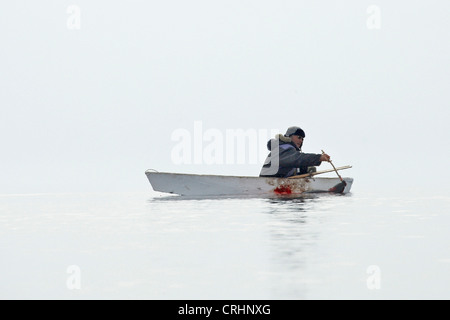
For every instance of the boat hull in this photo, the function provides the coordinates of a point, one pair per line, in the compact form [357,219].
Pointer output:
[216,185]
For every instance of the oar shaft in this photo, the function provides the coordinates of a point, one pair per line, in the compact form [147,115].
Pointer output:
[318,172]
[334,168]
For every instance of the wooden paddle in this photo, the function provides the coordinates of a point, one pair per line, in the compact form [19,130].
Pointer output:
[339,188]
[306,175]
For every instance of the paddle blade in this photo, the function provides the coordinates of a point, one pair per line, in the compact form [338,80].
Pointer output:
[339,188]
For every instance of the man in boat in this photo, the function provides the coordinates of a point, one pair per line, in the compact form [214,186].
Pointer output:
[286,159]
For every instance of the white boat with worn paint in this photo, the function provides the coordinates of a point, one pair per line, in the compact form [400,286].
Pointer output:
[218,185]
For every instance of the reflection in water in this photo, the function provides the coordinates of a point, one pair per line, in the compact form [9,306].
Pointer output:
[294,230]
[272,198]
[277,238]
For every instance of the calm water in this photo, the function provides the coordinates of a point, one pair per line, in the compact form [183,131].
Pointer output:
[149,246]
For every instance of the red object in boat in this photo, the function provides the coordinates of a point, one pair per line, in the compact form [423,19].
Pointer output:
[282,190]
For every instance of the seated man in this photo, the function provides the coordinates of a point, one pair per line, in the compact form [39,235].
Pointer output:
[286,159]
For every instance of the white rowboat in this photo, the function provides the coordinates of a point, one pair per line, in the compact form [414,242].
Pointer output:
[217,185]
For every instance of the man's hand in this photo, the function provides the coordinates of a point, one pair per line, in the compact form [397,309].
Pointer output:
[325,157]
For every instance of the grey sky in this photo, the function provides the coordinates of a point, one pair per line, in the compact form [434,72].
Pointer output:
[92,109]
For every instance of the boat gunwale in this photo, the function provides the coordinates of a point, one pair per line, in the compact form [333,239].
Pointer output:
[149,171]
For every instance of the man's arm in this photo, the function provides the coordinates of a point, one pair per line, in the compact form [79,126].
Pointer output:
[293,159]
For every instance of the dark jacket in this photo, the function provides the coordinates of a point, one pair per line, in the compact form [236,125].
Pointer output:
[290,159]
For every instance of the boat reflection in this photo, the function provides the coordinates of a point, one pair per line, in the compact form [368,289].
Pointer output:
[277,239]
[272,198]
[294,233]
